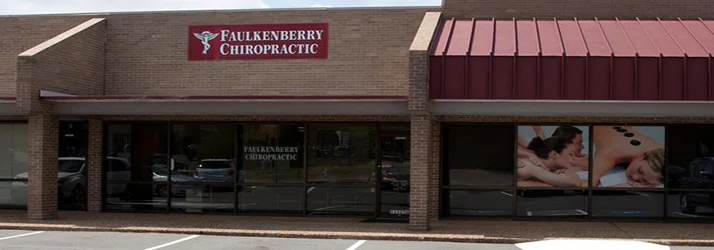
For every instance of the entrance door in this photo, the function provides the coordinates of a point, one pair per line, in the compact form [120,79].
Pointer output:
[393,167]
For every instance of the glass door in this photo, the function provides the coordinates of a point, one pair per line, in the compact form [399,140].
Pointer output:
[393,168]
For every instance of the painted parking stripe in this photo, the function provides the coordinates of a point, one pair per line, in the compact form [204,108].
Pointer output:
[310,189]
[356,245]
[172,243]
[21,235]
[689,215]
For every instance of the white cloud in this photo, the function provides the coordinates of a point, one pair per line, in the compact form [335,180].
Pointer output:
[403,2]
[81,6]
[317,5]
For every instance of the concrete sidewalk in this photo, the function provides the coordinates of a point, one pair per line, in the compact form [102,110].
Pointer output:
[480,231]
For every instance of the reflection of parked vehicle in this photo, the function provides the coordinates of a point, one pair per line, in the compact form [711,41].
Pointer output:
[701,176]
[219,171]
[395,177]
[178,187]
[71,182]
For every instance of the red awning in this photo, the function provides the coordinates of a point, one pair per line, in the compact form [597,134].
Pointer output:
[573,59]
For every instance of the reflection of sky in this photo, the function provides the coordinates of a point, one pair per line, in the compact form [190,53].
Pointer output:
[528,133]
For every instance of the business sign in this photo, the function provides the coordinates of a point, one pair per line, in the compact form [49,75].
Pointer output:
[262,41]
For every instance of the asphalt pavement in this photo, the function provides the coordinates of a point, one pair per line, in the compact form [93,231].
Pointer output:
[24,239]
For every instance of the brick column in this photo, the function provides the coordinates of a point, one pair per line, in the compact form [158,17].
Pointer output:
[435,171]
[421,127]
[421,200]
[42,166]
[94,163]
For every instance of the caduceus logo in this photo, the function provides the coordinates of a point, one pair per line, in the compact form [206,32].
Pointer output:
[205,37]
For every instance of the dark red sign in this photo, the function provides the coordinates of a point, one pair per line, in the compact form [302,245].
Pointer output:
[258,41]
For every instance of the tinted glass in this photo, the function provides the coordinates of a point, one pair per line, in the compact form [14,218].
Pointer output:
[70,166]
[619,203]
[691,157]
[479,203]
[273,153]
[13,150]
[270,199]
[13,194]
[691,205]
[204,152]
[135,197]
[73,138]
[333,200]
[341,153]
[479,156]
[552,203]
[135,151]
[198,198]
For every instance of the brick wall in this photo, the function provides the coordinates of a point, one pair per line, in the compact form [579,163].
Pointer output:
[24,32]
[579,8]
[42,149]
[71,62]
[95,161]
[368,55]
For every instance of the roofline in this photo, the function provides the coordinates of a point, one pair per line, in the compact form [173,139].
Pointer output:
[193,11]
[220,98]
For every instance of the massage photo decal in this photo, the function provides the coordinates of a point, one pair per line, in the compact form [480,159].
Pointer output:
[553,156]
[628,156]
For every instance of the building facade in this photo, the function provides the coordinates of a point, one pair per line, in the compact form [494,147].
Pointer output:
[488,109]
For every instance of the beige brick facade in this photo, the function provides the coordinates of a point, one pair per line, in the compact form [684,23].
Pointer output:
[372,52]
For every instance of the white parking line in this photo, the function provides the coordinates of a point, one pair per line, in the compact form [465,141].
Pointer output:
[356,245]
[172,243]
[507,194]
[310,189]
[21,235]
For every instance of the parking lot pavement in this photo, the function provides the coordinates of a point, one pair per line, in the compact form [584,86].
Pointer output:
[18,239]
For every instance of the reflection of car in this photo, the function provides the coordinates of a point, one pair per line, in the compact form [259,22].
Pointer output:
[178,187]
[701,176]
[71,182]
[219,171]
[395,177]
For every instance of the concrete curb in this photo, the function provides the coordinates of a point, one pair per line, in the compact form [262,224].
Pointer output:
[463,238]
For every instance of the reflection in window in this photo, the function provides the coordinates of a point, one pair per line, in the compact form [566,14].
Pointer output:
[552,203]
[341,153]
[691,205]
[334,200]
[479,203]
[620,203]
[691,157]
[203,153]
[272,153]
[479,156]
[13,150]
[72,167]
[270,199]
[13,164]
[134,154]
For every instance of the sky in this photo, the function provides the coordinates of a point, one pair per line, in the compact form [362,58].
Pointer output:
[17,7]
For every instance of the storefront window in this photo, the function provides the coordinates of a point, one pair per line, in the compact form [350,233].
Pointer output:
[72,165]
[552,203]
[478,156]
[137,155]
[273,153]
[13,165]
[628,203]
[478,203]
[202,167]
[341,153]
[276,199]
